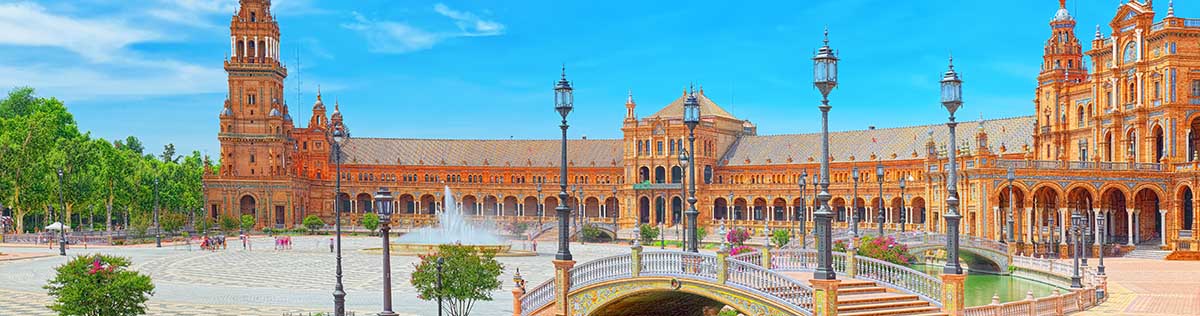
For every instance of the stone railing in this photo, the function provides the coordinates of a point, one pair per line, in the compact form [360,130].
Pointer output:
[928,287]
[538,297]
[1056,304]
[1077,165]
[706,268]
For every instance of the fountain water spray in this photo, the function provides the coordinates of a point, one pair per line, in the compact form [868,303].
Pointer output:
[453,227]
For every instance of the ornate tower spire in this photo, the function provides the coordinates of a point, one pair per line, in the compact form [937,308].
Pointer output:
[1062,50]
[1171,8]
[629,107]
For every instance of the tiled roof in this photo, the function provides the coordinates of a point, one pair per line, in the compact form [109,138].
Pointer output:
[903,141]
[707,108]
[472,152]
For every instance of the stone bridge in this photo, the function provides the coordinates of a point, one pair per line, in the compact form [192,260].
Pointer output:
[992,250]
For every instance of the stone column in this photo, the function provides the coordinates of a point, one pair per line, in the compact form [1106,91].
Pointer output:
[1096,226]
[1129,225]
[517,292]
[1062,225]
[562,278]
[1162,237]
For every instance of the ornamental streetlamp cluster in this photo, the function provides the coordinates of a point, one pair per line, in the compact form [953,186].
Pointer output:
[952,100]
[1012,175]
[854,205]
[879,178]
[62,229]
[803,209]
[824,79]
[691,118]
[683,237]
[564,102]
[339,294]
[1077,234]
[903,211]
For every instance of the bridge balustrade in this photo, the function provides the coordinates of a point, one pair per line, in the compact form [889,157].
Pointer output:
[538,297]
[928,287]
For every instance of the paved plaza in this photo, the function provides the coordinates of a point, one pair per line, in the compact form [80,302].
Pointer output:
[269,282]
[1151,287]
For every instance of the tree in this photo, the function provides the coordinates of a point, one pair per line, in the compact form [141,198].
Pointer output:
[29,128]
[171,221]
[228,223]
[467,276]
[99,285]
[780,237]
[370,221]
[313,223]
[134,145]
[168,154]
[648,233]
[247,222]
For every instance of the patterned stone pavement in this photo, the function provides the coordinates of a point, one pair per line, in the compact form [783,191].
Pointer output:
[1151,287]
[263,281]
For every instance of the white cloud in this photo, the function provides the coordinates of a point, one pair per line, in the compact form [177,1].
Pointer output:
[143,78]
[28,24]
[400,37]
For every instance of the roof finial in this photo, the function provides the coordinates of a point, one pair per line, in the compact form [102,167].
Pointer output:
[630,99]
[951,60]
[1098,36]
[1171,8]
[318,92]
[827,35]
[1062,4]
[564,71]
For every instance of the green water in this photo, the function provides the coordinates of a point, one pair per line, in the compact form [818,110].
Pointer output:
[980,287]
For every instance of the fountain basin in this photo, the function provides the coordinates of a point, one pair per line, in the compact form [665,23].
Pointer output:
[410,249]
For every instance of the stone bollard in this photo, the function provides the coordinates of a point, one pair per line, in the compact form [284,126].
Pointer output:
[766,257]
[851,263]
[517,292]
[952,293]
[636,258]
[1058,302]
[722,264]
[1103,288]
[996,299]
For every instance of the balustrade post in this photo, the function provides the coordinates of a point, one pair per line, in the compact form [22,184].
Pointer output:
[1032,303]
[636,259]
[517,292]
[722,264]
[1058,302]
[825,297]
[851,263]
[562,279]
[952,293]
[766,256]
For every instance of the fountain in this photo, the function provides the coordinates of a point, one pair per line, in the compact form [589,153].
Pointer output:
[453,228]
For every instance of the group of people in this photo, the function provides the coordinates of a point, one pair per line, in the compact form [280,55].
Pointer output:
[283,242]
[212,243]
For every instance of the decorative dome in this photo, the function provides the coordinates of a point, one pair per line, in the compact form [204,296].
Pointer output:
[1062,15]
[336,117]
[226,112]
[274,113]
[287,117]
[320,105]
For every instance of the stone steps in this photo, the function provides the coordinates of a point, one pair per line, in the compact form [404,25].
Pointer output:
[1148,254]
[866,298]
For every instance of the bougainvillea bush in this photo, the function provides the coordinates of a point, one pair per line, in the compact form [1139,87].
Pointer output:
[737,236]
[737,250]
[99,285]
[885,248]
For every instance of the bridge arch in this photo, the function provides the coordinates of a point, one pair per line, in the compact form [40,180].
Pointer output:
[669,296]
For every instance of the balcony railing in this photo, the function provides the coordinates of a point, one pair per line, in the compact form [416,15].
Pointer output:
[658,186]
[1077,165]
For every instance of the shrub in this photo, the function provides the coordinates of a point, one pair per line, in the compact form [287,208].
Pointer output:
[247,222]
[171,221]
[701,233]
[370,221]
[467,276]
[99,285]
[591,233]
[737,236]
[780,237]
[885,248]
[313,223]
[228,223]
[648,233]
[520,228]
[139,224]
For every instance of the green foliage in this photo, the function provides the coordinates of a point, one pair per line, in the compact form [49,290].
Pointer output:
[885,248]
[780,237]
[313,223]
[727,312]
[591,233]
[649,233]
[139,223]
[171,221]
[99,285]
[228,223]
[467,276]
[701,233]
[518,228]
[247,222]
[370,221]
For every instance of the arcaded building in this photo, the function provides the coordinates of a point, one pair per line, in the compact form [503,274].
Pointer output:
[1113,134]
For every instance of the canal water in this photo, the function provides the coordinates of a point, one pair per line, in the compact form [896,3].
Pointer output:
[980,287]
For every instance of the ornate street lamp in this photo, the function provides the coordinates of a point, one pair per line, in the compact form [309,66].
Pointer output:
[540,206]
[854,205]
[879,178]
[383,203]
[1100,217]
[1076,221]
[564,101]
[440,261]
[800,216]
[824,79]
[691,118]
[62,229]
[157,227]
[903,210]
[1012,175]
[689,220]
[339,294]
[952,100]
[617,215]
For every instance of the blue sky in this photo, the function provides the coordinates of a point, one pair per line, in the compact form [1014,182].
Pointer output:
[485,69]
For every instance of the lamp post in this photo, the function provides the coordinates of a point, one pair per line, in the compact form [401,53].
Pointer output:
[617,215]
[854,205]
[1076,232]
[824,79]
[730,209]
[62,235]
[383,203]
[540,206]
[689,220]
[816,180]
[339,294]
[157,227]
[952,100]
[1012,175]
[1100,218]
[564,101]
[203,209]
[879,178]
[903,210]
[800,216]
[441,261]
[691,118]
[662,232]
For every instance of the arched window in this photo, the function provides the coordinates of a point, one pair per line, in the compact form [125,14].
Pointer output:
[253,17]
